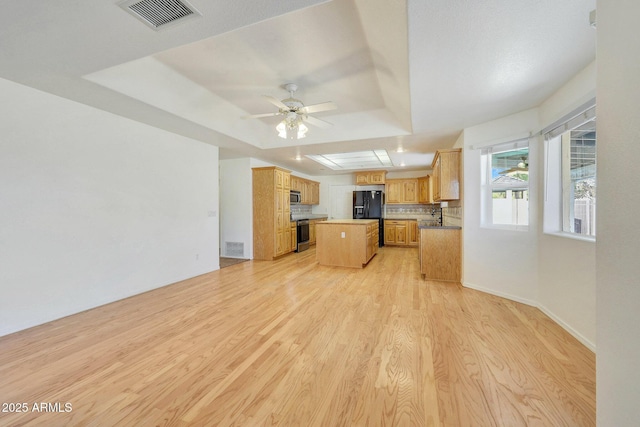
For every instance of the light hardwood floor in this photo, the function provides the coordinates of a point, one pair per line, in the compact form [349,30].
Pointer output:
[290,342]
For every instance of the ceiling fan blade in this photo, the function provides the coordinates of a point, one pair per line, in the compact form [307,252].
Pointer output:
[275,102]
[257,116]
[316,122]
[315,108]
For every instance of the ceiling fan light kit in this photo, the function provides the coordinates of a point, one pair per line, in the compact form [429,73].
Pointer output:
[295,113]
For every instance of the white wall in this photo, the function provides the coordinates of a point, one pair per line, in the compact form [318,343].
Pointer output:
[554,273]
[95,207]
[567,268]
[618,266]
[498,261]
[235,205]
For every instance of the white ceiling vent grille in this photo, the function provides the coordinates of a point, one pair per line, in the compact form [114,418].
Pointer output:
[159,14]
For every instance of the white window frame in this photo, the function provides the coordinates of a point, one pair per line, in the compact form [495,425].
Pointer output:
[487,186]
[557,183]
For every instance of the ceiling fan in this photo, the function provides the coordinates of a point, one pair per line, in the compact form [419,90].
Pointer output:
[294,113]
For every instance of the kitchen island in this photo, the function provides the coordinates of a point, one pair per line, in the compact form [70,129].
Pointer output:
[440,253]
[346,242]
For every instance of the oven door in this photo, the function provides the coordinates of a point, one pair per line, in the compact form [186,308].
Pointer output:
[302,227]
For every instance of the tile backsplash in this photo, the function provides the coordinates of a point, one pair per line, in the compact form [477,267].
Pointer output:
[297,210]
[452,215]
[421,212]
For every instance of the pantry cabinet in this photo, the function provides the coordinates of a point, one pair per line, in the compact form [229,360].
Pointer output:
[271,212]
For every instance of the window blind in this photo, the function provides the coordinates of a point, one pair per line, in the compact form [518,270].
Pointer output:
[572,123]
[505,146]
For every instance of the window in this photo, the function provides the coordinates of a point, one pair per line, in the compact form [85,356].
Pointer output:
[505,173]
[570,176]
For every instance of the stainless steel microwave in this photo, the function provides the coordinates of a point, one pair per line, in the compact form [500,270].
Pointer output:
[296,197]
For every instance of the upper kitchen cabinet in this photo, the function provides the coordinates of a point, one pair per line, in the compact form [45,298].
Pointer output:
[309,190]
[425,190]
[371,177]
[271,213]
[446,175]
[401,191]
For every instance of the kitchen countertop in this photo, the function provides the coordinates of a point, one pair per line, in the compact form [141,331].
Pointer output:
[349,221]
[401,218]
[308,216]
[445,227]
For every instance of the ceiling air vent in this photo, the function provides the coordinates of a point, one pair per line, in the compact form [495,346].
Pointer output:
[159,14]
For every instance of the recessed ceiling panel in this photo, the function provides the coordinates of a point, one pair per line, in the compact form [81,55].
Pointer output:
[355,160]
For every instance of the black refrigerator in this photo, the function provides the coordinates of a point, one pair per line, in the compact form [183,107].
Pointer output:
[370,205]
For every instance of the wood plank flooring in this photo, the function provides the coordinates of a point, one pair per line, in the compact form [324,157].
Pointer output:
[292,343]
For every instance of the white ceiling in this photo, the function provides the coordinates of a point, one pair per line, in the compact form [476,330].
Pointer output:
[408,73]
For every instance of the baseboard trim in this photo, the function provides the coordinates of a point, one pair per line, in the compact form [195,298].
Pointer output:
[577,335]
[501,294]
[564,325]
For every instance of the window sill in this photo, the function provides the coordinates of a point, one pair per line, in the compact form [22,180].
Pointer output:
[505,227]
[571,236]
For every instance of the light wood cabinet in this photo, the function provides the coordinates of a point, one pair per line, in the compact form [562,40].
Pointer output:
[410,191]
[440,254]
[393,189]
[401,191]
[346,242]
[425,192]
[315,193]
[312,229]
[309,190]
[398,232]
[271,213]
[414,235]
[294,236]
[446,175]
[370,177]
[373,234]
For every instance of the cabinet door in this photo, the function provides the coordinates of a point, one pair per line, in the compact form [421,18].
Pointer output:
[401,234]
[295,183]
[294,237]
[410,191]
[279,179]
[413,233]
[377,177]
[394,191]
[362,178]
[436,180]
[286,180]
[312,232]
[306,193]
[315,193]
[286,244]
[423,189]
[389,234]
[450,176]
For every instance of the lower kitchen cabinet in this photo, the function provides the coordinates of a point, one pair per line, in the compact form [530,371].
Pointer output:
[312,229]
[400,232]
[440,253]
[294,236]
